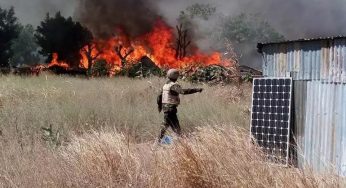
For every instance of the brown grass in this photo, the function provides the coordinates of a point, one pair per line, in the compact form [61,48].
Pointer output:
[72,105]
[103,134]
[211,157]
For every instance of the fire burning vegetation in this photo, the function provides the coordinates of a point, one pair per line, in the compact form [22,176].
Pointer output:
[122,51]
[123,38]
[72,131]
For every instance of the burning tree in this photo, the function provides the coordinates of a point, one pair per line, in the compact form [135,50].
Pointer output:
[64,37]
[123,57]
[91,55]
[121,52]
[186,25]
[182,42]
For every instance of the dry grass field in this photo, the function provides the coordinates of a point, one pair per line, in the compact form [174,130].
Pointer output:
[71,132]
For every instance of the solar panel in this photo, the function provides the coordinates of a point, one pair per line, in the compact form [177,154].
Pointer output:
[271,117]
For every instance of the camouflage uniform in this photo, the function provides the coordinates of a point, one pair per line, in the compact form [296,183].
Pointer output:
[170,103]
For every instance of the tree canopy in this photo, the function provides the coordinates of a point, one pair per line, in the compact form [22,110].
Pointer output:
[188,30]
[244,32]
[63,36]
[195,11]
[25,49]
[248,29]
[9,29]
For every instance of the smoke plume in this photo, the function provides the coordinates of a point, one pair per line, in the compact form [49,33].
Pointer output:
[103,17]
[292,18]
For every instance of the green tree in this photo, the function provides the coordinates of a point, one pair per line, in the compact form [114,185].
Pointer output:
[25,49]
[195,11]
[186,29]
[204,11]
[244,32]
[63,36]
[8,31]
[248,29]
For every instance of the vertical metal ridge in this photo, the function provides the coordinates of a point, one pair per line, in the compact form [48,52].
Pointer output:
[318,69]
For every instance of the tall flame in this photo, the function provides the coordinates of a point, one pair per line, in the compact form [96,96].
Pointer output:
[55,61]
[158,45]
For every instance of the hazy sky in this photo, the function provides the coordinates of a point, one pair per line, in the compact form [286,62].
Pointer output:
[33,11]
[294,18]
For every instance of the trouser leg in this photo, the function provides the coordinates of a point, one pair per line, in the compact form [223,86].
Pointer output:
[170,120]
[163,131]
[166,125]
[175,124]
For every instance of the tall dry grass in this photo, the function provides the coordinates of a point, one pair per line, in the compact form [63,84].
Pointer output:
[72,105]
[100,133]
[210,157]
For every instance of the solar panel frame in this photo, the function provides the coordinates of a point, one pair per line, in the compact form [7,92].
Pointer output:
[286,162]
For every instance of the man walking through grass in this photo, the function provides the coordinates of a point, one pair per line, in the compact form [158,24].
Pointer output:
[168,101]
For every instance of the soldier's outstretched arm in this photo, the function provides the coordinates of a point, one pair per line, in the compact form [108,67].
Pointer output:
[179,90]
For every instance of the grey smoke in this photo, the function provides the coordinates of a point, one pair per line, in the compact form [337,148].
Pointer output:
[104,16]
[34,11]
[292,18]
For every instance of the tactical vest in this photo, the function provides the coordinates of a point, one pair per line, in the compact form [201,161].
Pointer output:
[167,97]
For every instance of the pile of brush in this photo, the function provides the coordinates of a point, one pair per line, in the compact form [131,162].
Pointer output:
[144,68]
[213,74]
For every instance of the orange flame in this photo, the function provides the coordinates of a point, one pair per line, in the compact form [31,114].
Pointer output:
[55,62]
[158,45]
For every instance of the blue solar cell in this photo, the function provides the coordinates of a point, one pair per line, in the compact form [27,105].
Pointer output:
[268,82]
[281,89]
[267,95]
[270,123]
[281,96]
[287,96]
[282,82]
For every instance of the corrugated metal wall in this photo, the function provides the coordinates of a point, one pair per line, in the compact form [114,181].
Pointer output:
[315,60]
[299,110]
[324,141]
[319,71]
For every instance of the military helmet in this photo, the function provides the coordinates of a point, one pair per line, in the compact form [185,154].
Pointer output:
[173,74]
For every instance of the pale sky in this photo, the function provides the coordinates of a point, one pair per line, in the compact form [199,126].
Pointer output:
[293,18]
[33,11]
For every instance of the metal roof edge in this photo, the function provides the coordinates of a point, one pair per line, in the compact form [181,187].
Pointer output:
[261,45]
